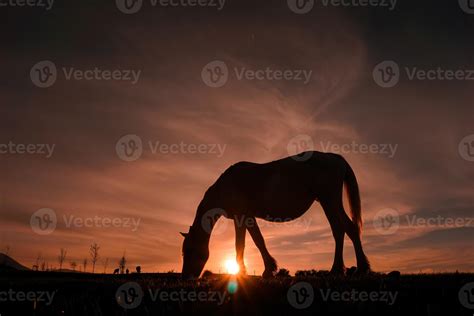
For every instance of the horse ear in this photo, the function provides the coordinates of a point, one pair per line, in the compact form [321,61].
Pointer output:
[183,234]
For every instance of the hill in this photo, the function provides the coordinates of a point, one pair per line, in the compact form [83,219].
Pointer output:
[8,264]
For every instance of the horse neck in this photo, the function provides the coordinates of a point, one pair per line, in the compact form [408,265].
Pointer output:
[208,203]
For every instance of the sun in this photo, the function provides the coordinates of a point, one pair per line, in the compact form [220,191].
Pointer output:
[231,266]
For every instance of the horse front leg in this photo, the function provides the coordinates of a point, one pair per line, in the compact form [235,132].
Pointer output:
[240,232]
[268,260]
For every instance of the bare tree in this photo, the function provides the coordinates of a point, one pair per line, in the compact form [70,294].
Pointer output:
[122,264]
[62,257]
[106,262]
[36,266]
[84,264]
[73,265]
[94,253]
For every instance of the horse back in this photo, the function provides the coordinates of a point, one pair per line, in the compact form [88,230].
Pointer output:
[283,189]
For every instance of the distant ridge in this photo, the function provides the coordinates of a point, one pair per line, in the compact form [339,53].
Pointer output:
[8,264]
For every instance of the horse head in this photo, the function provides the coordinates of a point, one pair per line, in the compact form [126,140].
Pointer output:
[195,255]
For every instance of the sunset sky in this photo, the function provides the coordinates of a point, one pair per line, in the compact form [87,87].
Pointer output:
[415,128]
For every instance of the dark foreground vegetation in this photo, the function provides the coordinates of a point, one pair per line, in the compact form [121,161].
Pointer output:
[50,293]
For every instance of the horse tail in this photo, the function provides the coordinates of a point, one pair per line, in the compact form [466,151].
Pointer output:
[352,191]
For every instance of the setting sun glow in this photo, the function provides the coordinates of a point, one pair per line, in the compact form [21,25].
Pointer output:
[231,266]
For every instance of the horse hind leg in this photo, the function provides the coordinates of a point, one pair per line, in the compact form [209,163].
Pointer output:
[350,228]
[338,218]
[338,233]
[363,265]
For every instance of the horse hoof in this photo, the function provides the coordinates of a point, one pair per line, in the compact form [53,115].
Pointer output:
[362,271]
[338,271]
[351,271]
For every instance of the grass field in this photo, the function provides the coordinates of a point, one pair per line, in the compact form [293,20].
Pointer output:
[50,293]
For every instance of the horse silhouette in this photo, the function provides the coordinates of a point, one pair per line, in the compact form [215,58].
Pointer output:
[280,190]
